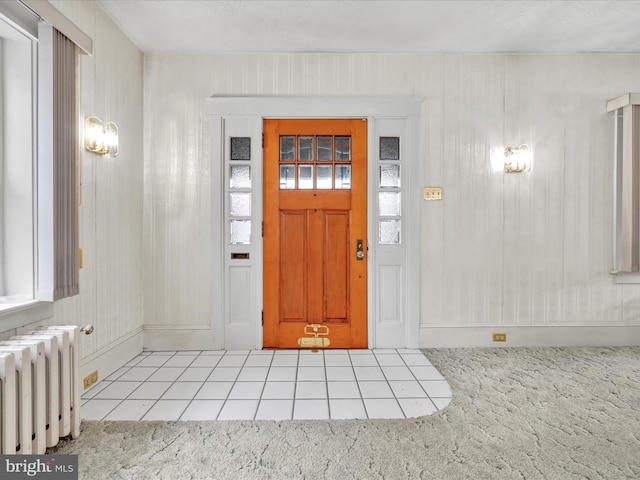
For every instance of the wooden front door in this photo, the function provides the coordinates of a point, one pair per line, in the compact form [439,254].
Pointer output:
[315,232]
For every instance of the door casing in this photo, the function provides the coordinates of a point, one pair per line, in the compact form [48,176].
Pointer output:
[243,116]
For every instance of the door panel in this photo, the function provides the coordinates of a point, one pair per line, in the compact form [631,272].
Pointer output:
[315,174]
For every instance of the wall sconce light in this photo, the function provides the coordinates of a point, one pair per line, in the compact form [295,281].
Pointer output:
[517,159]
[101,139]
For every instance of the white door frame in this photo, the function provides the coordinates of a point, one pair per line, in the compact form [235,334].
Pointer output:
[236,315]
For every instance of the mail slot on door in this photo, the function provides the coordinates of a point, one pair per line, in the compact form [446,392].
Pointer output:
[239,256]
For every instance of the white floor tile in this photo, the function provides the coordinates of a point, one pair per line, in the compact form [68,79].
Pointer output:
[138,374]
[275,410]
[279,374]
[426,372]
[284,360]
[97,388]
[417,407]
[180,361]
[238,410]
[149,391]
[117,374]
[397,373]
[162,353]
[214,391]
[436,388]
[166,374]
[153,361]
[253,374]
[195,374]
[167,410]
[189,353]
[415,359]
[383,408]
[368,373]
[311,410]
[258,361]
[202,410]
[182,391]
[246,391]
[337,360]
[310,374]
[407,389]
[134,361]
[311,360]
[97,409]
[279,390]
[387,360]
[441,403]
[132,410]
[224,374]
[343,389]
[311,390]
[364,360]
[206,361]
[376,389]
[344,409]
[171,385]
[340,373]
[117,390]
[232,361]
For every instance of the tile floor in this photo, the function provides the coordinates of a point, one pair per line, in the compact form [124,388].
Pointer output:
[269,385]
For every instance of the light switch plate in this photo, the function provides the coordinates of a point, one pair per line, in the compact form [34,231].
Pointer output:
[432,193]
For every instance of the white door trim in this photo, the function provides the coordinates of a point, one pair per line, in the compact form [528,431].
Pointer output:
[233,112]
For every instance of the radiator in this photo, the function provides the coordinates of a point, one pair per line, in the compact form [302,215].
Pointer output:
[39,389]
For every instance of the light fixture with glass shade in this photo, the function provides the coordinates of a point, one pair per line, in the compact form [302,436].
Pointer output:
[517,159]
[99,138]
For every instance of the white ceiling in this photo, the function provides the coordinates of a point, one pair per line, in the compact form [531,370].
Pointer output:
[546,26]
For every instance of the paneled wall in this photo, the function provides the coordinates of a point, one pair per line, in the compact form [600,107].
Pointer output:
[503,250]
[111,83]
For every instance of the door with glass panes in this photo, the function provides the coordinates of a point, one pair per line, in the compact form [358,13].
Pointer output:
[315,233]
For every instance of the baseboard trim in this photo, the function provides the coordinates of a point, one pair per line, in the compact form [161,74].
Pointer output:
[107,360]
[530,336]
[188,337]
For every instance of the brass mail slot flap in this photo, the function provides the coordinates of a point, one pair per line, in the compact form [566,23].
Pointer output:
[239,256]
[313,342]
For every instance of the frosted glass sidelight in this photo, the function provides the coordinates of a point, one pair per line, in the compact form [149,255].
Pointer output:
[287,148]
[325,148]
[240,176]
[305,149]
[305,177]
[389,204]
[240,232]
[240,148]
[390,232]
[389,148]
[343,177]
[240,204]
[343,148]
[287,177]
[323,177]
[389,176]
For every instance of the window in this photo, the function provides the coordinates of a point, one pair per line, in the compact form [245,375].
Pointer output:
[315,162]
[626,261]
[17,164]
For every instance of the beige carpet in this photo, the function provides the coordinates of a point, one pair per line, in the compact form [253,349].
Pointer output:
[543,413]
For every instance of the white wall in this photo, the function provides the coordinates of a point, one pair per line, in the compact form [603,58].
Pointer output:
[111,83]
[515,253]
